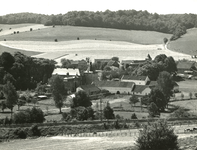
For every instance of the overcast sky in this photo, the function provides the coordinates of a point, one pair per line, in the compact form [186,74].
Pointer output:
[63,6]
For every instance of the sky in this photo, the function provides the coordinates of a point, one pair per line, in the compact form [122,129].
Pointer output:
[63,6]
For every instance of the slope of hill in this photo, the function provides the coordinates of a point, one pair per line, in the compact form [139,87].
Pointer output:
[187,44]
[66,33]
[13,50]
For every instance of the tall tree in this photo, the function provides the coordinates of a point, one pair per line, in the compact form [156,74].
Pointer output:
[7,60]
[108,112]
[10,95]
[81,99]
[153,109]
[133,100]
[158,98]
[165,84]
[58,90]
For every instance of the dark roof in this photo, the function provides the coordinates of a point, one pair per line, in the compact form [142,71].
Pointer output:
[152,83]
[114,84]
[140,88]
[185,64]
[129,77]
[90,88]
[102,60]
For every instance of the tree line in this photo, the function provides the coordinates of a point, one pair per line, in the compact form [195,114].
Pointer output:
[24,72]
[175,24]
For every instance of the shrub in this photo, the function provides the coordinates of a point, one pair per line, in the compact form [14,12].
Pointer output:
[116,124]
[31,29]
[34,130]
[66,116]
[22,117]
[37,115]
[19,133]
[22,134]
[180,113]
[133,116]
[195,95]
[33,115]
[55,40]
[118,117]
[157,136]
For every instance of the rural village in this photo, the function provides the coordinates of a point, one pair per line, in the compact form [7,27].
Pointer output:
[93,86]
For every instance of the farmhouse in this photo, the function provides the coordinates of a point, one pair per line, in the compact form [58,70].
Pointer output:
[138,80]
[90,89]
[116,86]
[186,67]
[71,77]
[64,72]
[133,63]
[141,90]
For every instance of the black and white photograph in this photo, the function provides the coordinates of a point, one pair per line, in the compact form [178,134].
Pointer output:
[98,75]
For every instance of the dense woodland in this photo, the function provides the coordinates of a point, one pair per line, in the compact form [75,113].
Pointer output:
[24,72]
[175,24]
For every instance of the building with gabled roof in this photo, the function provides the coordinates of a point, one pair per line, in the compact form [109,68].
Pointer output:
[66,72]
[138,80]
[71,77]
[90,89]
[141,90]
[116,86]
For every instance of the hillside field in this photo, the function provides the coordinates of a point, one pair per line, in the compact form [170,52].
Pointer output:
[93,42]
[13,50]
[186,44]
[67,33]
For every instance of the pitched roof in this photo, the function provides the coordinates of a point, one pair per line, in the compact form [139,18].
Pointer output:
[185,64]
[152,83]
[133,61]
[140,88]
[114,84]
[129,77]
[65,71]
[90,88]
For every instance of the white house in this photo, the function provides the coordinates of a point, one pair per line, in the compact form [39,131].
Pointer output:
[66,72]
[138,80]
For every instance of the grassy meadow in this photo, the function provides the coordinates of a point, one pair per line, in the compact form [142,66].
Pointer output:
[67,33]
[186,44]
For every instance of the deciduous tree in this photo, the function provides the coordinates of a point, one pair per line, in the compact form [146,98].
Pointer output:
[10,95]
[58,90]
[133,100]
